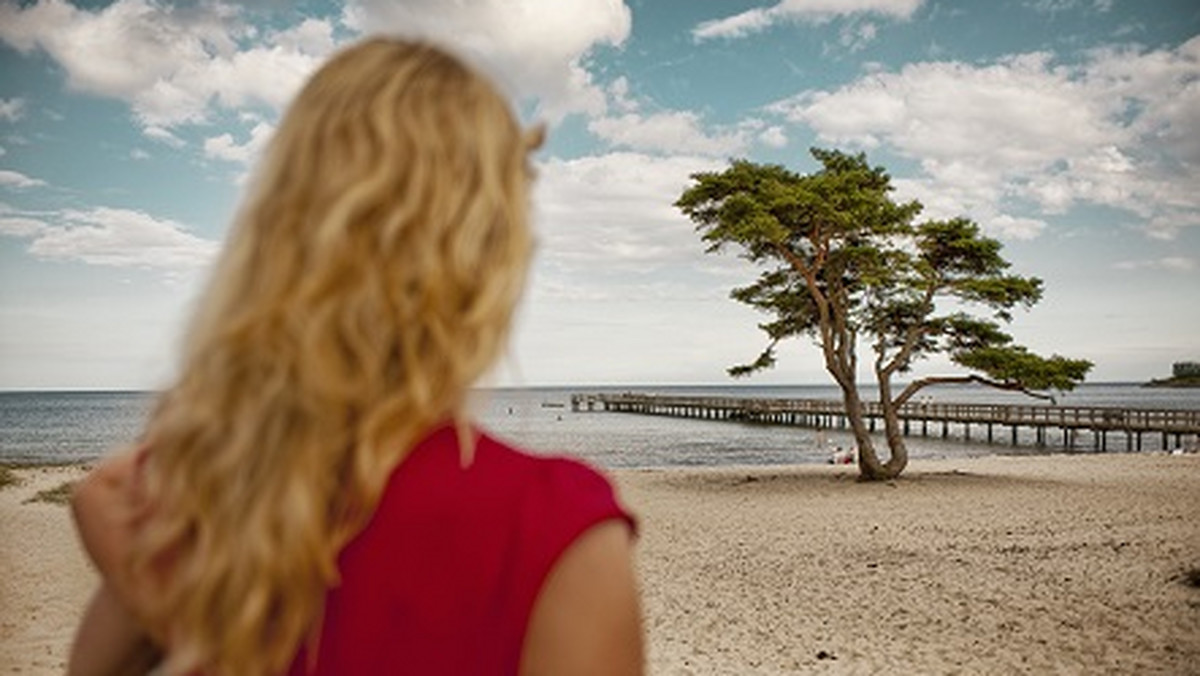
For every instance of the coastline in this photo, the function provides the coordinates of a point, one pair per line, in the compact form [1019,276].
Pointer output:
[1181,383]
[1059,563]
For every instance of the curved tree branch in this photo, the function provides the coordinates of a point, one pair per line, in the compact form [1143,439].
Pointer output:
[917,385]
[830,343]
[912,335]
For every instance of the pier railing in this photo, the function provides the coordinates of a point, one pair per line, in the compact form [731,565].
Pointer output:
[1182,424]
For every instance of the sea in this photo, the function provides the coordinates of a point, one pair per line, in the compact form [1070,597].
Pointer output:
[80,427]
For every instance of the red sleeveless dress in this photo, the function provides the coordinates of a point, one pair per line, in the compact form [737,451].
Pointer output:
[444,577]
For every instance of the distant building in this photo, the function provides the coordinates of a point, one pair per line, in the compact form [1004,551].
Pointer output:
[1185,369]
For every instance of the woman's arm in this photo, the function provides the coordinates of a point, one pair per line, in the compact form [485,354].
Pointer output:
[106,507]
[587,619]
[110,641]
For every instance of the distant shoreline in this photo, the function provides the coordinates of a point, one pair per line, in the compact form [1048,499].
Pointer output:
[1185,382]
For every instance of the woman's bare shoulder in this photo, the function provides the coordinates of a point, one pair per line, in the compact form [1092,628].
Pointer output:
[587,618]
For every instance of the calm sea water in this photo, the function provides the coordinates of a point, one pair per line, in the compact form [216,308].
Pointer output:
[40,427]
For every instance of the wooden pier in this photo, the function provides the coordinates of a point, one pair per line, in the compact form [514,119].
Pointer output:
[1173,427]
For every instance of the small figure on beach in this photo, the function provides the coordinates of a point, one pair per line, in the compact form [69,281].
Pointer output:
[843,457]
[1186,448]
[311,494]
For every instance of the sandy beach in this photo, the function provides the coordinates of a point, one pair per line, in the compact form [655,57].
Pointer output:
[1054,564]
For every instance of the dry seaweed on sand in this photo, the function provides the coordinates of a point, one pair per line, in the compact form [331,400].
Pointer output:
[59,495]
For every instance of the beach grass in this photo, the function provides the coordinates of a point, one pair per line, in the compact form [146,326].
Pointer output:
[59,495]
[8,477]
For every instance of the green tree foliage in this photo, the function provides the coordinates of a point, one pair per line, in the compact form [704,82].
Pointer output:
[1185,369]
[840,260]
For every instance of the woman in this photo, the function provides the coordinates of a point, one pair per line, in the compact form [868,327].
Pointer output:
[310,496]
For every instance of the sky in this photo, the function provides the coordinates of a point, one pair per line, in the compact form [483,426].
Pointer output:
[1068,129]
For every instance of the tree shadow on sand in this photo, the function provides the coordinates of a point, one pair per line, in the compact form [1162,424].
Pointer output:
[822,479]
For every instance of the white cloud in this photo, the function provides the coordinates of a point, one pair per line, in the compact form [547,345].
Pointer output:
[947,110]
[1014,227]
[1119,130]
[225,148]
[614,211]
[536,49]
[12,109]
[15,179]
[171,63]
[1167,263]
[3,152]
[815,11]
[311,36]
[1167,223]
[175,65]
[139,154]
[20,226]
[1056,6]
[970,195]
[111,237]
[773,137]
[1051,6]
[269,75]
[163,136]
[1159,90]
[618,90]
[672,131]
[856,36]
[737,26]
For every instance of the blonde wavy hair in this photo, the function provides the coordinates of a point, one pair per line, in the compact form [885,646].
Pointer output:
[368,281]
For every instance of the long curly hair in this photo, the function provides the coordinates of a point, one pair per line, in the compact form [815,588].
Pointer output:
[367,282]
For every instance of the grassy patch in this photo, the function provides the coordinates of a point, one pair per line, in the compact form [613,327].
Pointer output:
[59,495]
[8,477]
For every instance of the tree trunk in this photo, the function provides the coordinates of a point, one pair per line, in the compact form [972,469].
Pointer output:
[895,441]
[873,470]
[869,467]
